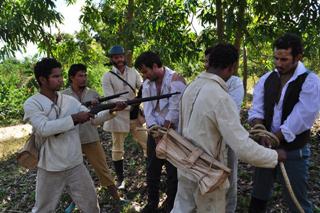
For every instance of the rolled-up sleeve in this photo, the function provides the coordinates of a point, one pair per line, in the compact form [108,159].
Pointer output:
[305,111]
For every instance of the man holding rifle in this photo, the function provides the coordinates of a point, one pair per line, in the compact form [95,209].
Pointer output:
[89,136]
[54,118]
[122,78]
[162,113]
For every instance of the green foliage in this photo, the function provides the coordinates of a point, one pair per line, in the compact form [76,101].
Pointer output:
[23,21]
[161,26]
[16,85]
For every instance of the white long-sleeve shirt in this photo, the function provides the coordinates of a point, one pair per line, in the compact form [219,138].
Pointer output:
[55,131]
[304,112]
[168,108]
[235,90]
[209,116]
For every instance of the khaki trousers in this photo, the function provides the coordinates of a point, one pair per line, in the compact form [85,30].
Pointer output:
[95,154]
[118,139]
[50,185]
[189,199]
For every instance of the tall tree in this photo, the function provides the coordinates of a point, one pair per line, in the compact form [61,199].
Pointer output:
[161,25]
[23,21]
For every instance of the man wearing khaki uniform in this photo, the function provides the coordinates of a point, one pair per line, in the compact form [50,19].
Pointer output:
[209,118]
[122,78]
[89,136]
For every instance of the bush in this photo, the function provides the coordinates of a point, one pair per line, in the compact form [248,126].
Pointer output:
[16,85]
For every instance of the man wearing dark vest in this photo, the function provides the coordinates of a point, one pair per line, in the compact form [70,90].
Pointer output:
[286,101]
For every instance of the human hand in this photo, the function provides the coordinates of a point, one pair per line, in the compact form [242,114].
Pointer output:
[167,124]
[265,141]
[94,102]
[153,131]
[81,117]
[279,135]
[157,139]
[282,155]
[120,105]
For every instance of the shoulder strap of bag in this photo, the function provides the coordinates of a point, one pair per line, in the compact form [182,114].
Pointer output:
[124,81]
[42,109]
[191,106]
[219,145]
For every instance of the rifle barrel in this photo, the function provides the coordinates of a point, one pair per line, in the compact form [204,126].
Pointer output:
[101,107]
[151,98]
[112,96]
[102,99]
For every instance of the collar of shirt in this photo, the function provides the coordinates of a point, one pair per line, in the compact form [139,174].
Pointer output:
[83,94]
[56,107]
[59,100]
[166,80]
[114,69]
[299,70]
[214,77]
[165,88]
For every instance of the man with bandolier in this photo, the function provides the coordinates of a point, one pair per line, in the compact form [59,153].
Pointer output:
[122,78]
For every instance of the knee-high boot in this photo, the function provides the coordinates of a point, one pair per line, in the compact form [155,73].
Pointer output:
[118,167]
[257,205]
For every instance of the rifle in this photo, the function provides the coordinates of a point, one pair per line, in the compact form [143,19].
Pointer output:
[102,99]
[101,107]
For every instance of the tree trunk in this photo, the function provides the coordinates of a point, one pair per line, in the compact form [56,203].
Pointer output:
[240,28]
[128,42]
[220,23]
[245,71]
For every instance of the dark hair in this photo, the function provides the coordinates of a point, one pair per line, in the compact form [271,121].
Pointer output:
[223,55]
[44,68]
[148,59]
[208,51]
[74,69]
[289,40]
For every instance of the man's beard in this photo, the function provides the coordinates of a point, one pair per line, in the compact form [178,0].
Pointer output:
[119,63]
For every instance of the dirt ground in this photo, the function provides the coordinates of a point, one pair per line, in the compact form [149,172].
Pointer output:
[18,185]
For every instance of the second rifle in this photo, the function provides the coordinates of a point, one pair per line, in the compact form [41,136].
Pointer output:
[102,99]
[101,107]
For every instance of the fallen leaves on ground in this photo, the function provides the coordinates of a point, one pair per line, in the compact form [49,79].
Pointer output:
[17,190]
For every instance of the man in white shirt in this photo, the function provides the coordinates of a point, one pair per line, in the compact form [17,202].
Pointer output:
[210,119]
[286,101]
[236,91]
[165,113]
[122,78]
[54,118]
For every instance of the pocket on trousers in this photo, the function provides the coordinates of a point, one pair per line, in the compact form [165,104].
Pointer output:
[297,154]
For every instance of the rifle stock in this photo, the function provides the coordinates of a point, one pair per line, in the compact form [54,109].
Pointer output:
[101,107]
[88,103]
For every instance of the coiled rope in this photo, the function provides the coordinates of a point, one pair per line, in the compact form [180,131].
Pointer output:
[258,131]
